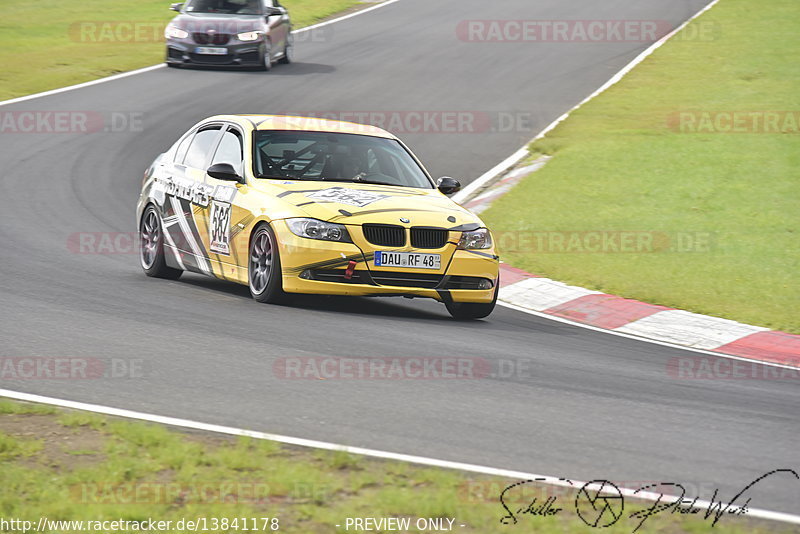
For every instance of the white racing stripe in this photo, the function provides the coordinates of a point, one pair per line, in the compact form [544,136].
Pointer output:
[161,65]
[197,250]
[176,253]
[420,460]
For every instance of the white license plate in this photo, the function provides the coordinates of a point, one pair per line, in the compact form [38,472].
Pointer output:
[413,260]
[210,51]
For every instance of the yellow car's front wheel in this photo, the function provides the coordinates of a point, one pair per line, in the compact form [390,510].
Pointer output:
[464,311]
[264,266]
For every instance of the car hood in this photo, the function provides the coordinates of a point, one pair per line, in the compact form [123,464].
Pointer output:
[228,24]
[348,203]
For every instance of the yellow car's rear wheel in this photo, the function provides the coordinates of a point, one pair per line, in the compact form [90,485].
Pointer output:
[264,266]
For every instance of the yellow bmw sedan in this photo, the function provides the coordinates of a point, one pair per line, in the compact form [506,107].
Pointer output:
[303,205]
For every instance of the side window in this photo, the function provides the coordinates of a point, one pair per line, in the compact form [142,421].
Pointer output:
[230,150]
[201,145]
[180,153]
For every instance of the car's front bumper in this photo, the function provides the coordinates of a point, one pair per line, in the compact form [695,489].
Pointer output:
[182,52]
[320,267]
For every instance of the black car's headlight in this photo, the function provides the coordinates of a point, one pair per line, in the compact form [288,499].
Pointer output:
[477,239]
[249,36]
[315,229]
[173,32]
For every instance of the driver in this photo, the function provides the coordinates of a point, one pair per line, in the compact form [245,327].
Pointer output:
[252,7]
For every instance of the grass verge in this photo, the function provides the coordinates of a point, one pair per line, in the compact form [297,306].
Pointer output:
[78,466]
[717,215]
[42,46]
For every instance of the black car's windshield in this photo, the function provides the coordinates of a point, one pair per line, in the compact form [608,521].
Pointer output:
[225,7]
[336,157]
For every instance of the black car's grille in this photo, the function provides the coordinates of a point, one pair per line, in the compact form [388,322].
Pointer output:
[389,278]
[422,237]
[211,60]
[211,38]
[250,57]
[385,235]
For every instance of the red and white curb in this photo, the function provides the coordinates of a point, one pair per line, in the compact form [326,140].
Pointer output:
[647,321]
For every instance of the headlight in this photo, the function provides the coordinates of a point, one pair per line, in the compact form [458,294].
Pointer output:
[248,36]
[480,238]
[173,32]
[314,229]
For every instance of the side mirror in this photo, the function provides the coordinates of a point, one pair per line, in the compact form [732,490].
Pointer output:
[274,11]
[448,185]
[224,171]
[177,7]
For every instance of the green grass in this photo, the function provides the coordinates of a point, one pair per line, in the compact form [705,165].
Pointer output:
[42,47]
[70,465]
[620,164]
[11,447]
[11,407]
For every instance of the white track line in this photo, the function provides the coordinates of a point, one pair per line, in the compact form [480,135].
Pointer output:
[523,152]
[420,460]
[639,338]
[161,65]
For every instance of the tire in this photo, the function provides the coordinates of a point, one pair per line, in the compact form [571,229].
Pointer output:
[264,267]
[151,246]
[467,311]
[288,51]
[266,62]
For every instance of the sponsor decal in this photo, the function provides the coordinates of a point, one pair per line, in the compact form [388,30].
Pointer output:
[351,197]
[186,189]
[219,228]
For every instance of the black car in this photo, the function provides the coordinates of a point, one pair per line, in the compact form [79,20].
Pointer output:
[229,33]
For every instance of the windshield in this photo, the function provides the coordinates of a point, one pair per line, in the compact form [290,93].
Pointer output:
[225,7]
[336,157]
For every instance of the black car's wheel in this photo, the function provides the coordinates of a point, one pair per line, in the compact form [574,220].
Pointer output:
[465,311]
[264,267]
[266,62]
[151,246]
[288,51]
